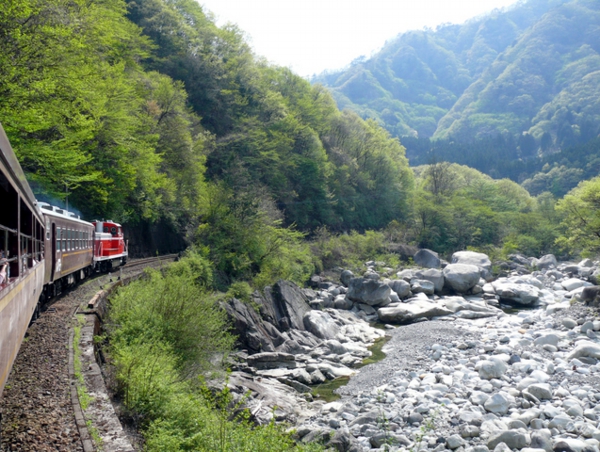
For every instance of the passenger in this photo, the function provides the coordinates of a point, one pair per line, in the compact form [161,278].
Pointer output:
[24,260]
[3,277]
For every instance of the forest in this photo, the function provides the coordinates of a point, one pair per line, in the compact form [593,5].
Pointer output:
[529,71]
[146,112]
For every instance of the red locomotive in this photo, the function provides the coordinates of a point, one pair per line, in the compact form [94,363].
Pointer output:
[109,245]
[43,248]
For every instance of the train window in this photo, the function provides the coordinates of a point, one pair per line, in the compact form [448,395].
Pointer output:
[63,236]
[113,231]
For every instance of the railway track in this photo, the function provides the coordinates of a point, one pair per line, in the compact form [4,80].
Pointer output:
[37,413]
[142,262]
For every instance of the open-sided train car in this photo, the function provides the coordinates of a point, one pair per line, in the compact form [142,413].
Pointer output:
[22,256]
[42,250]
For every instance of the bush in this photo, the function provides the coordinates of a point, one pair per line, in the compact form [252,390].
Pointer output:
[165,332]
[349,250]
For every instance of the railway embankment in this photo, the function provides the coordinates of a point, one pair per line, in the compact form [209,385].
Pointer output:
[40,401]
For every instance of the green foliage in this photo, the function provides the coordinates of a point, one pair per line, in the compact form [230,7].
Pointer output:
[247,243]
[457,207]
[580,226]
[193,266]
[169,314]
[240,290]
[348,250]
[164,332]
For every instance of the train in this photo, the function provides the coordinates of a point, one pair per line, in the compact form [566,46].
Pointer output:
[43,250]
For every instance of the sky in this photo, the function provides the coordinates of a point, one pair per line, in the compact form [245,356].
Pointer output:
[311,36]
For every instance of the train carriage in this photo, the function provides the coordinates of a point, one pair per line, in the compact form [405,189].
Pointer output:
[43,248]
[22,257]
[70,244]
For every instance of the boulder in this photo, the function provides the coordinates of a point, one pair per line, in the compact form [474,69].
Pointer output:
[346,277]
[570,445]
[520,259]
[547,261]
[422,286]
[343,441]
[512,438]
[369,291]
[254,334]
[585,349]
[572,284]
[491,368]
[498,403]
[342,302]
[427,258]
[524,294]
[547,338]
[321,324]
[284,305]
[459,304]
[461,277]
[434,275]
[401,287]
[472,258]
[540,391]
[412,310]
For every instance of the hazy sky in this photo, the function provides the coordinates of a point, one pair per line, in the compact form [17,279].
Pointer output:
[313,35]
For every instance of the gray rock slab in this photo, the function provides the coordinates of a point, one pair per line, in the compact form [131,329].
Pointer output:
[413,310]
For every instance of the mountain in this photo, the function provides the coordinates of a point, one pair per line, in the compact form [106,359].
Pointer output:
[533,69]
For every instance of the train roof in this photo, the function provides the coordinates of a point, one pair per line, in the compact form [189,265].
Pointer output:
[54,211]
[10,166]
[110,222]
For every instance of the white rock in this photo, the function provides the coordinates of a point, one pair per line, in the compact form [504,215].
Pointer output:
[491,368]
[498,403]
[585,349]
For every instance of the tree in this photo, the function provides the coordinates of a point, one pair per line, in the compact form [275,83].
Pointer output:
[580,210]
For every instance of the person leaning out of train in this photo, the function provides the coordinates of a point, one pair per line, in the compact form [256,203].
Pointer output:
[3,265]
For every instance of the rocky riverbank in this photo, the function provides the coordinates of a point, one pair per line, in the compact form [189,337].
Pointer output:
[459,373]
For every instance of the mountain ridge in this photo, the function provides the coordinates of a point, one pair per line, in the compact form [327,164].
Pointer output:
[532,68]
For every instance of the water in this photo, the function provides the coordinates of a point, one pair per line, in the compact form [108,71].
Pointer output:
[325,391]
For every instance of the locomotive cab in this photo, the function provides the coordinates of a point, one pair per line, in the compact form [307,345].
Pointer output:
[110,247]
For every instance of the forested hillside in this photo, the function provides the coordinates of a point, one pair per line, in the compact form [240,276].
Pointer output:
[149,113]
[530,71]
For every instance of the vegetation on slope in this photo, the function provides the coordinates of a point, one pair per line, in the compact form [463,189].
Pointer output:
[166,334]
[529,69]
